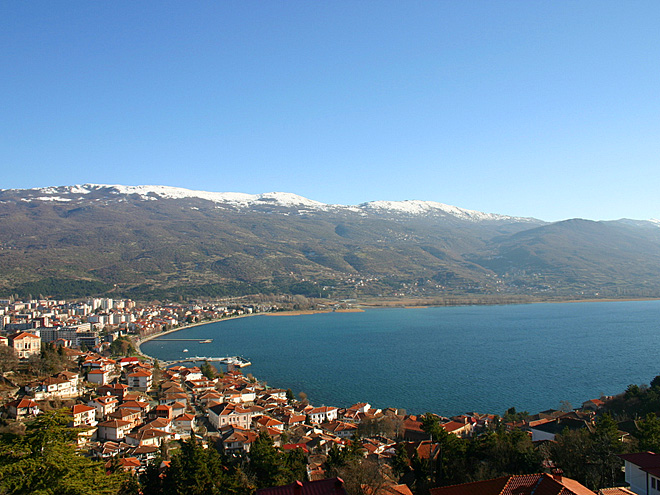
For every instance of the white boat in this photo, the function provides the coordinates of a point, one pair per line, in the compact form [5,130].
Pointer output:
[185,350]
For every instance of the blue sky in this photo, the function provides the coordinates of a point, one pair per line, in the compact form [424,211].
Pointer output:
[533,108]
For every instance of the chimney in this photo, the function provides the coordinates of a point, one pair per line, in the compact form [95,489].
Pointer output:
[339,485]
[557,474]
[297,487]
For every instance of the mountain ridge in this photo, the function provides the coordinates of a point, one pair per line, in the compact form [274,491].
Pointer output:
[410,207]
[164,242]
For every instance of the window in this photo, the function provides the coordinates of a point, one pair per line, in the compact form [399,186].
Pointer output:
[652,482]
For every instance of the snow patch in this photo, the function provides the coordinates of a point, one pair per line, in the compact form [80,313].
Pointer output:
[417,207]
[282,199]
[46,198]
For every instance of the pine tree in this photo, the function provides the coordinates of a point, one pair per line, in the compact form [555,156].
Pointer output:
[196,470]
[266,463]
[44,461]
[649,433]
[400,462]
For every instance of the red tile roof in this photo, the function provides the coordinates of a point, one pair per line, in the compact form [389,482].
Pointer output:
[80,408]
[453,426]
[22,403]
[331,486]
[22,335]
[185,417]
[645,460]
[528,484]
[140,373]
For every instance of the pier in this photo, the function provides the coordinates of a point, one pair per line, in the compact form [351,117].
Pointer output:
[201,341]
[235,360]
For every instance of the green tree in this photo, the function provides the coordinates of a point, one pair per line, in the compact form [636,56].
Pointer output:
[571,451]
[195,470]
[267,463]
[503,452]
[122,347]
[606,445]
[649,433]
[448,453]
[513,416]
[400,461]
[151,482]
[295,462]
[655,383]
[335,459]
[208,370]
[44,462]
[431,425]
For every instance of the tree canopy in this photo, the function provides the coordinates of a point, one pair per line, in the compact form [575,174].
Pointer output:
[44,462]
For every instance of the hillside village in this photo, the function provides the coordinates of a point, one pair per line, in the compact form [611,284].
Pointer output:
[126,409]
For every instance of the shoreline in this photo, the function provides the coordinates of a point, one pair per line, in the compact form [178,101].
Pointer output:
[420,304]
[138,342]
[628,299]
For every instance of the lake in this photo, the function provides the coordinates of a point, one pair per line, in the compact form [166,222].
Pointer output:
[447,360]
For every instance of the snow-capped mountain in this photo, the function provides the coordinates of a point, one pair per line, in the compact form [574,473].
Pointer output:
[243,200]
[168,242]
[416,207]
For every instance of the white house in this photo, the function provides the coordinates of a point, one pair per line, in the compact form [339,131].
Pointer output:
[25,344]
[21,408]
[642,472]
[59,386]
[99,376]
[322,414]
[184,423]
[140,380]
[230,414]
[114,429]
[83,415]
[149,437]
[104,405]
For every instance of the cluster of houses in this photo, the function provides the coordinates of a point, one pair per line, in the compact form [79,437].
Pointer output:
[113,406]
[26,325]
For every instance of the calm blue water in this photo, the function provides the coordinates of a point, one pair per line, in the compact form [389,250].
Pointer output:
[445,360]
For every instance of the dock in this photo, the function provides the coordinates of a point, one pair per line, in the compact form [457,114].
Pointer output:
[201,341]
[235,360]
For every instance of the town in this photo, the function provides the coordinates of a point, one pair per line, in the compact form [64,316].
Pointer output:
[133,414]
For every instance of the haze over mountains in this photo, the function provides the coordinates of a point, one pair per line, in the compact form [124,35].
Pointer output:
[166,242]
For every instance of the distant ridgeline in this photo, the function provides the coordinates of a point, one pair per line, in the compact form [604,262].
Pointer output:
[156,242]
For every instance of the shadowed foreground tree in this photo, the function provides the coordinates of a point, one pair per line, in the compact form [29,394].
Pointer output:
[271,467]
[361,473]
[648,434]
[44,462]
[195,470]
[448,463]
[590,458]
